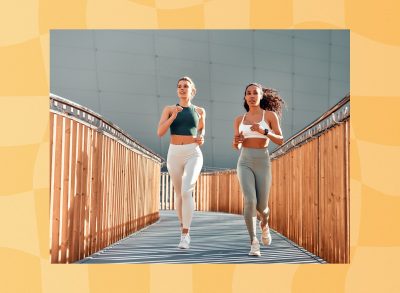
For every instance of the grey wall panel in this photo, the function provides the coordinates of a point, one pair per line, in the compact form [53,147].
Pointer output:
[221,91]
[273,79]
[188,35]
[225,54]
[232,38]
[182,49]
[166,101]
[337,91]
[167,86]
[321,36]
[136,124]
[208,153]
[129,76]
[273,61]
[312,85]
[287,95]
[171,67]
[127,83]
[302,118]
[149,139]
[339,72]
[87,98]
[125,62]
[227,111]
[287,116]
[231,74]
[223,151]
[311,49]
[124,41]
[272,42]
[132,103]
[311,67]
[74,78]
[223,127]
[341,38]
[286,131]
[71,57]
[340,55]
[312,102]
[72,38]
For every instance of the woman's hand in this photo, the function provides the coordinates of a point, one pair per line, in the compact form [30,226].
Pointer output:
[199,140]
[237,139]
[175,112]
[256,127]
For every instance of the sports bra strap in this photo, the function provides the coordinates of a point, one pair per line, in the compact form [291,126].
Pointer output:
[243,118]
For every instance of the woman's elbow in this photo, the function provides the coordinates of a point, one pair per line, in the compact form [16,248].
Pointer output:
[160,133]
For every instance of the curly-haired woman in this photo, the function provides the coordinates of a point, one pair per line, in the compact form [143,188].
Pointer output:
[253,131]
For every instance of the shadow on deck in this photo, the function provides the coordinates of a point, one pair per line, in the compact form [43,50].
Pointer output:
[215,238]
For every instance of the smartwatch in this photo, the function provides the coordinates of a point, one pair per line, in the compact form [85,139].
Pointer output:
[266,130]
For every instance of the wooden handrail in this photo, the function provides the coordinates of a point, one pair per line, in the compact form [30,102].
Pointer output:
[104,184]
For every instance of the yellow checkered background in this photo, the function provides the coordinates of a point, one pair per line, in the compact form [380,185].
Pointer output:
[24,144]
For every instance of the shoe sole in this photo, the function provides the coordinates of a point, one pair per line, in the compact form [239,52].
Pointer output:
[255,254]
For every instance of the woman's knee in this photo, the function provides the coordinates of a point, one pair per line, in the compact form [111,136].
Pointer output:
[250,203]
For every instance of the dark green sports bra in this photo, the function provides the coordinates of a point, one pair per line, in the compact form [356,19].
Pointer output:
[186,122]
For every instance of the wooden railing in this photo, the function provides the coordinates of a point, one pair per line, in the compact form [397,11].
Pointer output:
[214,191]
[104,184]
[309,199]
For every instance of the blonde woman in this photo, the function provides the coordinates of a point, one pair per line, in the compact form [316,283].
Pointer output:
[186,123]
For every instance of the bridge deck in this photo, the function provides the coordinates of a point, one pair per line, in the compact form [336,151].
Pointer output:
[215,238]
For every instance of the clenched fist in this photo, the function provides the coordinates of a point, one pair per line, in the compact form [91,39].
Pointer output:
[256,127]
[199,140]
[175,111]
[237,139]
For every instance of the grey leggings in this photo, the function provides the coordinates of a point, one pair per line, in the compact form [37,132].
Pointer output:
[254,173]
[184,163]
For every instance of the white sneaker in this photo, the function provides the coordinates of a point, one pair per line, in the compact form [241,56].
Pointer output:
[185,241]
[266,238]
[255,248]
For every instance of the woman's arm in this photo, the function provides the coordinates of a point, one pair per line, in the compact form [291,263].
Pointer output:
[167,117]
[201,129]
[238,137]
[276,134]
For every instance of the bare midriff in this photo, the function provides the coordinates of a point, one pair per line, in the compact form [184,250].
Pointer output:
[255,143]
[182,139]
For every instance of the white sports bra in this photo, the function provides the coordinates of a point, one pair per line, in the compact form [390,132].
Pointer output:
[248,133]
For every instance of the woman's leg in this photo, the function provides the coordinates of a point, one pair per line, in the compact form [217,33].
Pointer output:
[247,183]
[175,166]
[262,173]
[191,172]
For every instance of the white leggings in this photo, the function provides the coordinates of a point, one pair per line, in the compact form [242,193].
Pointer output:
[184,163]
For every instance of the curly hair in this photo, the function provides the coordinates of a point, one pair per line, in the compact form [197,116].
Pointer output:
[271,100]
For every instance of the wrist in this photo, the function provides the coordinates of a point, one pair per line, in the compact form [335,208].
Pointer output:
[266,131]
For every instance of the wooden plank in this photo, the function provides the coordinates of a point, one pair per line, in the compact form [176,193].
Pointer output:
[56,188]
[72,188]
[66,146]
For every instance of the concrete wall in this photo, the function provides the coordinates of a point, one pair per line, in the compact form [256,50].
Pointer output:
[129,76]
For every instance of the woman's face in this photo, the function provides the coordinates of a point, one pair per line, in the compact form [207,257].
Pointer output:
[253,95]
[185,89]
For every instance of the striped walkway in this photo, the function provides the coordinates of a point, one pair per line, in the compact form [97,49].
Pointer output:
[216,238]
